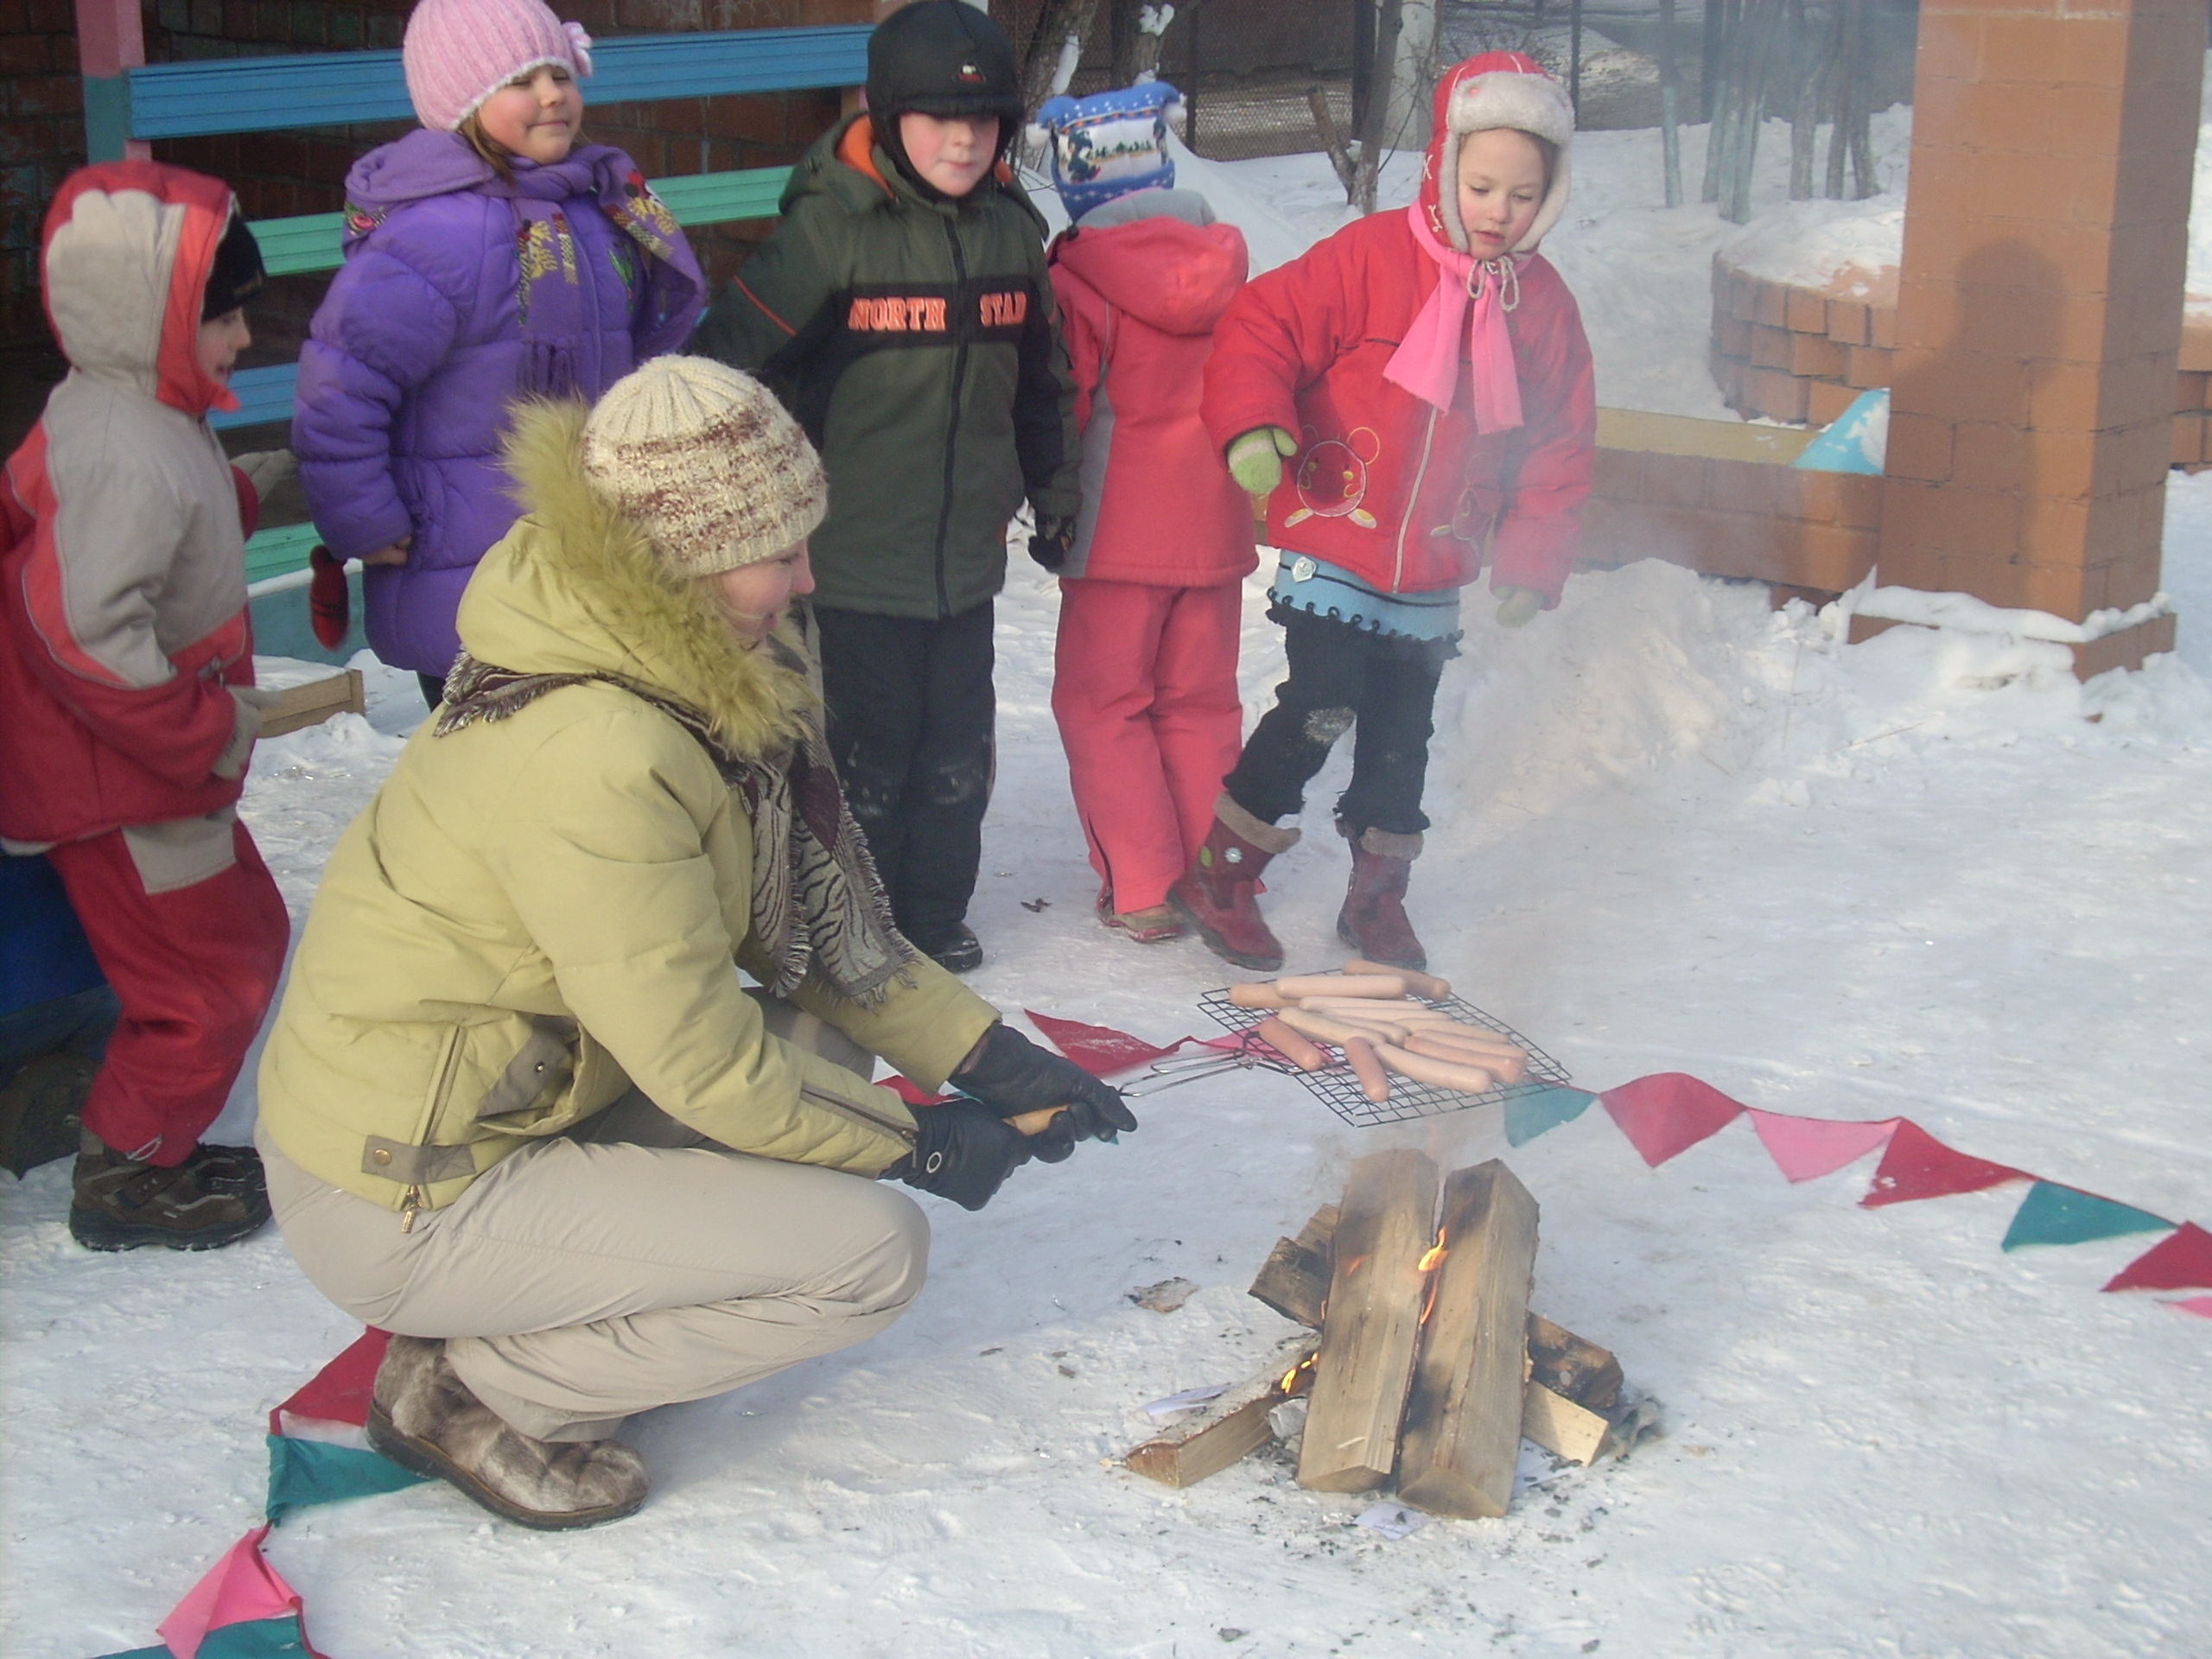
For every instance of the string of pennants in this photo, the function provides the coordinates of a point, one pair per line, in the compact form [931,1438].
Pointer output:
[319,1452]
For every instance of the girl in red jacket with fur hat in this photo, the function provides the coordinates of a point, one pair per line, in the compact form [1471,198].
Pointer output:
[1412,398]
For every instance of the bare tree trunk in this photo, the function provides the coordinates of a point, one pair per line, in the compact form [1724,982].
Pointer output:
[1152,33]
[1670,132]
[1055,50]
[1761,29]
[1805,113]
[1379,100]
[1723,23]
[1333,142]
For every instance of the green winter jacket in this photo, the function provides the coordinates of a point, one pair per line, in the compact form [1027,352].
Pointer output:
[537,911]
[915,341]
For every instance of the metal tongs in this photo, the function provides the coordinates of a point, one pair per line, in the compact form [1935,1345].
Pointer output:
[1178,1068]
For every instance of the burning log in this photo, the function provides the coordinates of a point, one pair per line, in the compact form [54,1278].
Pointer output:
[1377,1290]
[1294,1279]
[1572,1367]
[1463,1418]
[1230,1426]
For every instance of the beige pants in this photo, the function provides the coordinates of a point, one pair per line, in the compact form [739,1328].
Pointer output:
[630,1264]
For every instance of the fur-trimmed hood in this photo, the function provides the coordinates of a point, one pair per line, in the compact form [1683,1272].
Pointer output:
[574,588]
[1495,89]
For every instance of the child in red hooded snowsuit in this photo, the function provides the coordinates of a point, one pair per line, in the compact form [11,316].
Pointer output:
[1413,398]
[1144,680]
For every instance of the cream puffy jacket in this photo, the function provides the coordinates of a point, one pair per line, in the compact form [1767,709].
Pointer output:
[535,912]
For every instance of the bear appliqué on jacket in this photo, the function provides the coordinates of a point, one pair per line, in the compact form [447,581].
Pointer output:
[1332,475]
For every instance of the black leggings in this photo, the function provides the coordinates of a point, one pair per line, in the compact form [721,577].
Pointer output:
[1342,677]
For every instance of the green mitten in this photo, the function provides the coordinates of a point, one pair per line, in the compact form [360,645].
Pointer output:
[1516,605]
[1256,459]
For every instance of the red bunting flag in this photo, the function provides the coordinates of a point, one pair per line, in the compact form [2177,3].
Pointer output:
[2200,1306]
[1805,1148]
[1918,1166]
[1668,1113]
[1100,1050]
[912,1093]
[338,1393]
[2181,1261]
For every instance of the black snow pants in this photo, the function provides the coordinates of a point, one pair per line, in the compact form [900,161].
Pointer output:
[911,713]
[1382,687]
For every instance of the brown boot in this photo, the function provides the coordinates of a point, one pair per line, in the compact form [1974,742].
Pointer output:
[1373,921]
[1216,895]
[215,1196]
[424,1418]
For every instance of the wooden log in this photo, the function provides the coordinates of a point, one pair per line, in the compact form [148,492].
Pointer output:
[1463,1418]
[1557,1424]
[1294,1279]
[1571,1367]
[1376,1292]
[1228,1427]
[313,703]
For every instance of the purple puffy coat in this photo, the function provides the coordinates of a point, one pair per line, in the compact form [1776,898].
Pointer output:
[431,330]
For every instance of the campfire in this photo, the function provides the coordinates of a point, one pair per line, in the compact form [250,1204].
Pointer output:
[1421,1362]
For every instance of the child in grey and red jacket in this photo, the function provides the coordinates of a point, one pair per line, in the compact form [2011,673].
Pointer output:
[489,256]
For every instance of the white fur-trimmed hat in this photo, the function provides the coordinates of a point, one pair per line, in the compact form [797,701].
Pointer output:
[1503,89]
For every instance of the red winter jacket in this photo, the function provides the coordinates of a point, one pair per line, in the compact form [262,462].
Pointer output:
[1139,296]
[123,607]
[1407,497]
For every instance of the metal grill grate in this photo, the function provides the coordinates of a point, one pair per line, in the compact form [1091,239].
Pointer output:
[1339,1090]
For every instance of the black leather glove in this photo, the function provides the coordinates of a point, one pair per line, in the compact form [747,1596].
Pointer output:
[963,1151]
[1050,543]
[1011,1075]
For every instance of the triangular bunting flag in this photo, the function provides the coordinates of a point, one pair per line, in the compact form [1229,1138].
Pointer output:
[2181,1262]
[1668,1113]
[912,1094]
[2200,1306]
[2052,1214]
[1918,1166]
[1806,1147]
[1099,1050]
[1530,1115]
[318,1452]
[241,1589]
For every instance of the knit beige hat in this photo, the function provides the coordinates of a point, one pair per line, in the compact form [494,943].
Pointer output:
[707,461]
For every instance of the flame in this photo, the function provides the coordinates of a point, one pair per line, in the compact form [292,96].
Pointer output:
[1289,1383]
[1429,1264]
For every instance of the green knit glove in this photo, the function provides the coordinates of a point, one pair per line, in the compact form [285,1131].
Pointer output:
[1516,605]
[1256,459]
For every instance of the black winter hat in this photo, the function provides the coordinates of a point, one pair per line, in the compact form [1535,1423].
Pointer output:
[238,273]
[943,57]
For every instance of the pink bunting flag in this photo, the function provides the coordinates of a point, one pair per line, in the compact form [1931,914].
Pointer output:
[2200,1306]
[1805,1148]
[241,1586]
[1100,1050]
[1918,1166]
[2181,1261]
[338,1393]
[1668,1113]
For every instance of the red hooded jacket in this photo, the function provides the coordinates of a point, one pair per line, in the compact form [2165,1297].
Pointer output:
[1408,497]
[122,604]
[1140,284]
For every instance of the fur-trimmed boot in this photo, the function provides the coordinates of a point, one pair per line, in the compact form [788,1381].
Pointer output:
[1216,894]
[424,1418]
[1373,920]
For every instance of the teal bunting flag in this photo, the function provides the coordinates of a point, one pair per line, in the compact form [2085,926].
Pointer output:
[2052,1214]
[302,1474]
[1530,1115]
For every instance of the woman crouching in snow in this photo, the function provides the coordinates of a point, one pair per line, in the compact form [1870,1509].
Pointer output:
[505,1102]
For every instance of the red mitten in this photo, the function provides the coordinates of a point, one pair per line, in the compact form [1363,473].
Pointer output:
[329,605]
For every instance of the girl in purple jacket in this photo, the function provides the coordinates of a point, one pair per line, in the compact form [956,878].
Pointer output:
[489,257]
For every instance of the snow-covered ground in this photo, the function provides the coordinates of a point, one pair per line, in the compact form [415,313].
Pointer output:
[1675,831]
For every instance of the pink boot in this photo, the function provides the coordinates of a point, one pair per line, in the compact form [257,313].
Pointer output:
[1216,894]
[1373,920]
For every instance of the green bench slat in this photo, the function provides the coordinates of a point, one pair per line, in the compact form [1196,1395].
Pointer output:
[279,552]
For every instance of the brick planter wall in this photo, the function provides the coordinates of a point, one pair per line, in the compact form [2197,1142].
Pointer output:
[1783,353]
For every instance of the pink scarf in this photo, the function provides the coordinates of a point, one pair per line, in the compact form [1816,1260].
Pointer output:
[1426,362]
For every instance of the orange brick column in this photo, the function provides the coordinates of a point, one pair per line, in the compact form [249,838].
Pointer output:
[2039,306]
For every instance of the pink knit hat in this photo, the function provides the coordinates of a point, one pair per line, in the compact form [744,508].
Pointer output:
[458,53]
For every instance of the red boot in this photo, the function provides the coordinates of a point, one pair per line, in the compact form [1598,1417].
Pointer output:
[1215,895]
[1373,921]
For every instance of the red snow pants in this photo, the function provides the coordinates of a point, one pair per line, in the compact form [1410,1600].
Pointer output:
[194,969]
[1144,687]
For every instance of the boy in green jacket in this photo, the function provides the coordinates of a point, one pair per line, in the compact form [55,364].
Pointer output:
[902,312]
